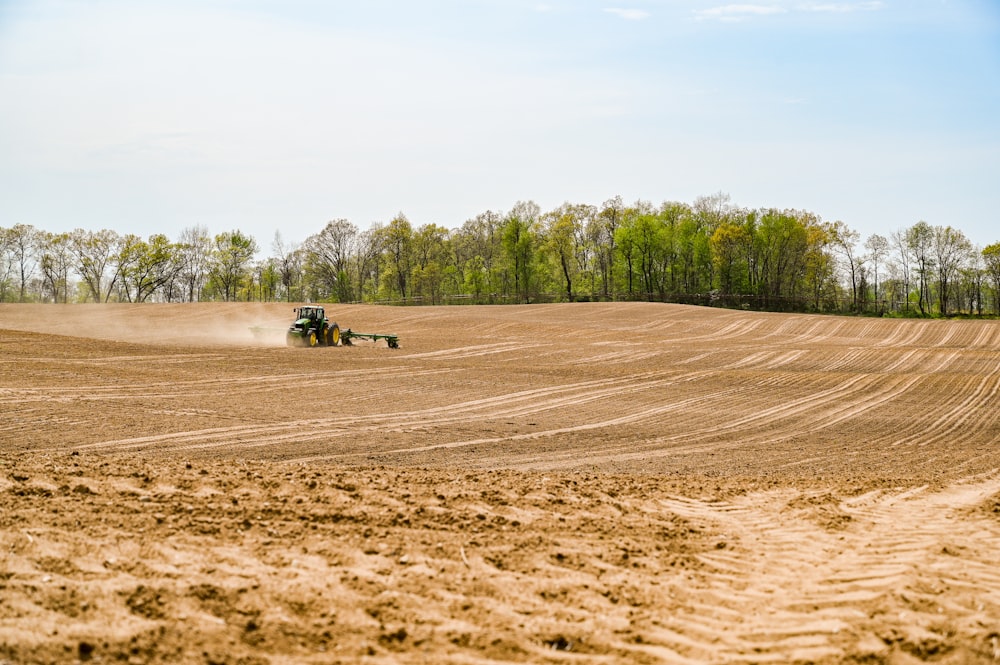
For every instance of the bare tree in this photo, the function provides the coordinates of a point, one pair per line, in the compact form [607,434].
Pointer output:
[713,210]
[878,249]
[194,249]
[56,264]
[367,251]
[844,242]
[23,241]
[900,244]
[287,262]
[6,264]
[973,274]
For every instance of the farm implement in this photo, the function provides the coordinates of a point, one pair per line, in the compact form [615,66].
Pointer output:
[312,328]
[347,335]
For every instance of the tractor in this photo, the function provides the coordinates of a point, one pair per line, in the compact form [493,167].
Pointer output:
[312,328]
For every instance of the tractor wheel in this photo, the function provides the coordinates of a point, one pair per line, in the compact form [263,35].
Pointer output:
[333,335]
[311,339]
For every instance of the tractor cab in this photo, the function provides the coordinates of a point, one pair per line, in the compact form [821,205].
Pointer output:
[312,313]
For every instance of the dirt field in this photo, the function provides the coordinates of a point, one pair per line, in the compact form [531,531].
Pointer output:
[590,483]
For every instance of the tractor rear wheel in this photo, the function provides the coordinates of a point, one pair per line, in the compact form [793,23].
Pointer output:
[333,335]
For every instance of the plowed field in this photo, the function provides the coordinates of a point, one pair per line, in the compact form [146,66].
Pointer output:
[585,483]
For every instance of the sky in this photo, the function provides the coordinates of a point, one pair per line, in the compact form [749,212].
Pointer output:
[278,116]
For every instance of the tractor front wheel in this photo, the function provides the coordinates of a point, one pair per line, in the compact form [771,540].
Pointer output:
[311,339]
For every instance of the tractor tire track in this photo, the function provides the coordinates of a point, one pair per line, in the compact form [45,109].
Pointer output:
[795,590]
[502,406]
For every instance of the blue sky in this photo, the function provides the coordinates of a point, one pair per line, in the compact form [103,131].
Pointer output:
[147,117]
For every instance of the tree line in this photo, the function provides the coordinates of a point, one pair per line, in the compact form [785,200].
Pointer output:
[708,252]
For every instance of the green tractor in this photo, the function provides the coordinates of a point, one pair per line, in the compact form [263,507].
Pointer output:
[312,328]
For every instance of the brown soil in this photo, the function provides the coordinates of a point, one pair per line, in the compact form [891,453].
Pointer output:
[590,483]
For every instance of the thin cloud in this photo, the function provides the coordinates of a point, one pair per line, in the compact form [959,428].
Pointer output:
[742,12]
[844,7]
[628,14]
[737,12]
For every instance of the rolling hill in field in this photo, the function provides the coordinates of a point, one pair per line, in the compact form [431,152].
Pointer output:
[599,482]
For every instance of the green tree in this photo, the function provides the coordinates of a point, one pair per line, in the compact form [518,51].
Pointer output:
[602,231]
[584,254]
[694,253]
[991,257]
[397,243]
[951,250]
[729,246]
[519,246]
[819,266]
[477,248]
[267,278]
[432,259]
[671,215]
[561,229]
[230,261]
[625,254]
[328,258]
[777,243]
[642,239]
[144,267]
[475,280]
[94,251]
[706,214]
[919,244]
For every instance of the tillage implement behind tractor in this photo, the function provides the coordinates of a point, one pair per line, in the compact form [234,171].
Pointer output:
[312,328]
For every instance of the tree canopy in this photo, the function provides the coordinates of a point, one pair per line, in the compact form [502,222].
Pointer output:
[707,252]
